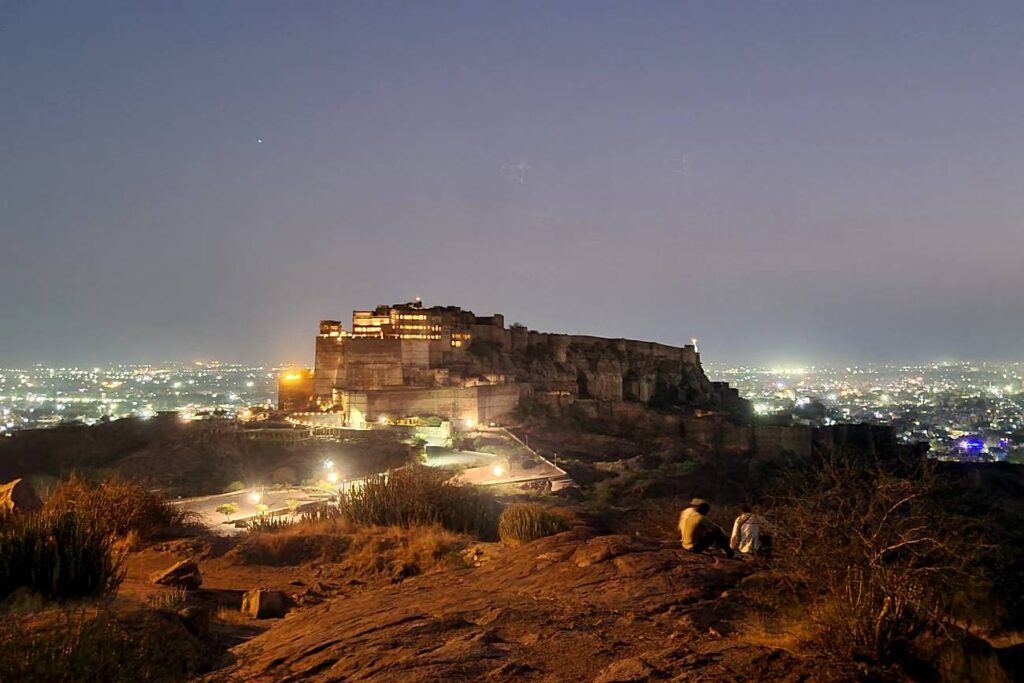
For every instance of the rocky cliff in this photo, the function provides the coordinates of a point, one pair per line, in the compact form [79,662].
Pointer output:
[609,370]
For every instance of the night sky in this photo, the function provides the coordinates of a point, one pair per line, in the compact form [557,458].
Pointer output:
[788,182]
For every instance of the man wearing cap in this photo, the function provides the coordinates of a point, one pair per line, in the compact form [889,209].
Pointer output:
[700,533]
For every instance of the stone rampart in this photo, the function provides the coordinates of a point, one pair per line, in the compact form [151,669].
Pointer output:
[482,403]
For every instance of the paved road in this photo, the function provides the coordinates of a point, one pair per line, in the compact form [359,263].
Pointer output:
[483,469]
[449,457]
[276,500]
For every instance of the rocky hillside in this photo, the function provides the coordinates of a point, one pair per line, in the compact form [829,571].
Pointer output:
[571,607]
[607,370]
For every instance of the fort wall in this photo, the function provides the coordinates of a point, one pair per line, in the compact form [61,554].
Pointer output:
[327,361]
[724,435]
[481,403]
[371,363]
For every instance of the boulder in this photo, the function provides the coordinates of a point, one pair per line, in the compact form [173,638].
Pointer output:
[19,496]
[184,574]
[263,603]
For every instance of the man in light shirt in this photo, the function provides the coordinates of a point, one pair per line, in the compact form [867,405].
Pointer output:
[700,533]
[746,532]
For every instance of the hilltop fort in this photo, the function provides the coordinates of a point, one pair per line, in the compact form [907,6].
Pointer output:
[409,359]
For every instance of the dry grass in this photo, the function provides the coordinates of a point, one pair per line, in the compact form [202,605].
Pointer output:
[871,554]
[171,599]
[421,496]
[524,522]
[966,664]
[90,645]
[369,553]
[58,555]
[118,506]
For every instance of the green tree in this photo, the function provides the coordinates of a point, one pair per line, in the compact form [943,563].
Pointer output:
[228,509]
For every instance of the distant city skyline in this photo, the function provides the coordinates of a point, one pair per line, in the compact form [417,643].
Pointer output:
[962,410]
[790,183]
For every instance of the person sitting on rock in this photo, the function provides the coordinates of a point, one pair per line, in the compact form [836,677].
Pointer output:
[700,533]
[746,532]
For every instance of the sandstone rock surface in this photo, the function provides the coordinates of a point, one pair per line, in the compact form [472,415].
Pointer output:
[532,614]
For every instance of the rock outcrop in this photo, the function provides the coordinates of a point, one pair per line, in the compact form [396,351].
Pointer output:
[613,369]
[18,496]
[184,574]
[567,608]
[261,603]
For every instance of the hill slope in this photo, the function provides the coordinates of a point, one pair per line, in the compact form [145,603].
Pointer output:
[568,607]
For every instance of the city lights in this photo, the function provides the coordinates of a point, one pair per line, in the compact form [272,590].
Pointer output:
[963,411]
[43,397]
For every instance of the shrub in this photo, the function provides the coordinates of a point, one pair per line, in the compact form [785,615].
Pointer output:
[171,600]
[268,523]
[524,522]
[877,554]
[320,512]
[421,496]
[228,509]
[117,506]
[58,555]
[483,349]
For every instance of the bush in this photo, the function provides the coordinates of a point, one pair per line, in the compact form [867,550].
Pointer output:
[268,523]
[483,349]
[58,555]
[524,522]
[421,496]
[117,506]
[876,552]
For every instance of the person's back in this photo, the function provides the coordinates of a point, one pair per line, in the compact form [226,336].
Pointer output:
[698,532]
[746,532]
[689,526]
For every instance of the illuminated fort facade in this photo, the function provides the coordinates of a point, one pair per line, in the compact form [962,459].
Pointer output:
[399,361]
[407,360]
